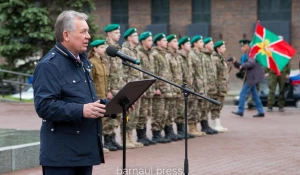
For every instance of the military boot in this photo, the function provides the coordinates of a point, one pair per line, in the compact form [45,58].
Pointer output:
[156,136]
[197,130]
[151,142]
[108,143]
[181,131]
[131,140]
[105,150]
[216,125]
[169,133]
[129,145]
[192,130]
[115,143]
[140,137]
[205,128]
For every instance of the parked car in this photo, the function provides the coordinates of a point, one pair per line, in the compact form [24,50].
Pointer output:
[291,94]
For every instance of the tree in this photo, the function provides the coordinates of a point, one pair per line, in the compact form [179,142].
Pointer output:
[27,28]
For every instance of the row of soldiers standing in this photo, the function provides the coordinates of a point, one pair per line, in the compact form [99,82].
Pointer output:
[198,63]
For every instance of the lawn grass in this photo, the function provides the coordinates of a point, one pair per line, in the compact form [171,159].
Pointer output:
[10,98]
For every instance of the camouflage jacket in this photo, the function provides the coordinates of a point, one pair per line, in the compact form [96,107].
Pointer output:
[147,64]
[198,71]
[222,74]
[161,69]
[211,72]
[187,71]
[130,74]
[173,58]
[115,72]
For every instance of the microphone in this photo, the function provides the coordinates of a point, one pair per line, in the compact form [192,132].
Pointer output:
[113,52]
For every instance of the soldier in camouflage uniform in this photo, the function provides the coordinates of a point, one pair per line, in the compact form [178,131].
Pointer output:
[222,84]
[200,106]
[186,70]
[210,83]
[162,89]
[147,64]
[175,70]
[115,82]
[281,80]
[129,48]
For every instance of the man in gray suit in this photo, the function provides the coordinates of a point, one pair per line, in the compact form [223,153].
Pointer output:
[254,74]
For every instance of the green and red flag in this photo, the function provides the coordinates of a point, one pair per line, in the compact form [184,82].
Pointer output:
[270,50]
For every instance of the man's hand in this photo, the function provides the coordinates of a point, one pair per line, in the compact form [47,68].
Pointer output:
[233,59]
[157,92]
[93,110]
[131,108]
[109,96]
[287,76]
[266,75]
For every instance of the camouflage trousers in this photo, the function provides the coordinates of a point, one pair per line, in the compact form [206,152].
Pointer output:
[158,114]
[202,109]
[133,117]
[273,80]
[192,111]
[145,112]
[215,109]
[170,110]
[179,108]
[109,125]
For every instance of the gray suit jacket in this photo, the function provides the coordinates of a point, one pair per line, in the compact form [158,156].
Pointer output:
[254,71]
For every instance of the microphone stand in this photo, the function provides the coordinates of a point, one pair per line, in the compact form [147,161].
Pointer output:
[186,92]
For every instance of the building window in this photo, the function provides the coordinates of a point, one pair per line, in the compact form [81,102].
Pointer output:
[119,11]
[160,11]
[201,11]
[274,10]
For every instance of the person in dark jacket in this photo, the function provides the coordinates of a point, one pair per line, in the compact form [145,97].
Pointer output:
[254,74]
[65,99]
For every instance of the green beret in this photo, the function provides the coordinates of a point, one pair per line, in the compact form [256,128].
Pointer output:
[111,27]
[219,43]
[97,42]
[129,32]
[144,35]
[171,37]
[158,37]
[207,40]
[183,40]
[244,41]
[196,39]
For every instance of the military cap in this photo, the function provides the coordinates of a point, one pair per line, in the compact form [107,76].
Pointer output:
[144,35]
[244,41]
[196,39]
[219,43]
[111,27]
[183,40]
[97,42]
[158,37]
[207,40]
[171,37]
[129,32]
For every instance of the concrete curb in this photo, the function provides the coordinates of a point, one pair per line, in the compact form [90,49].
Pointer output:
[14,158]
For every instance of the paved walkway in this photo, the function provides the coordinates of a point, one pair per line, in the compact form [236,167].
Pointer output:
[269,145]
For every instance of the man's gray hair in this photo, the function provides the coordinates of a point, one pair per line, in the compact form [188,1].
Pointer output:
[65,22]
